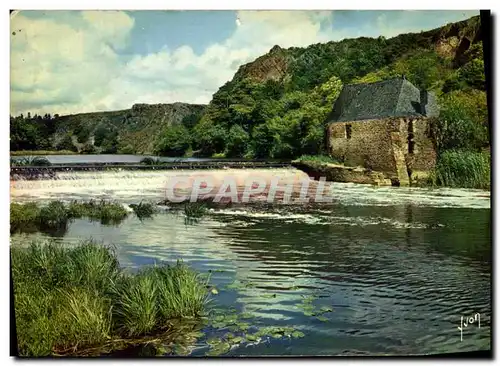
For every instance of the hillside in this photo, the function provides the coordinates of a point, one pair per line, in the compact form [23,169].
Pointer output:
[134,130]
[276,105]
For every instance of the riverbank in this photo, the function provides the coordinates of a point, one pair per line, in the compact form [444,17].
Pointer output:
[43,152]
[454,169]
[336,172]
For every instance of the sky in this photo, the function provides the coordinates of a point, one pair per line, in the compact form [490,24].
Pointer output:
[85,61]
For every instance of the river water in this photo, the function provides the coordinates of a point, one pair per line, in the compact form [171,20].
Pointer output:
[398,266]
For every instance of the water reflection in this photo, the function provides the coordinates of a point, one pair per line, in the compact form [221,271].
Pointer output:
[397,277]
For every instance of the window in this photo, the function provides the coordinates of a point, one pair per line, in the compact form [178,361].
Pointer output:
[411,135]
[348,131]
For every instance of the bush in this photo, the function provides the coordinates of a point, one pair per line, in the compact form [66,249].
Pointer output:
[151,161]
[30,161]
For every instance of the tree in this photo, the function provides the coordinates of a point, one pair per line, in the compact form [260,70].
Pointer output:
[175,141]
[472,74]
[237,141]
[210,138]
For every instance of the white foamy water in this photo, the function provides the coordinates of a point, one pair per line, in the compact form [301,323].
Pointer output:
[130,186]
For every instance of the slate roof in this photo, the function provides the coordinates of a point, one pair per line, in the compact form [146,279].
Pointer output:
[389,98]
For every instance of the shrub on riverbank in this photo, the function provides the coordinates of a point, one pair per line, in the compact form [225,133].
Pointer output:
[30,161]
[71,299]
[151,161]
[464,169]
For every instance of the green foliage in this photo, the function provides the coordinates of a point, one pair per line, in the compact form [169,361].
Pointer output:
[30,161]
[68,299]
[463,121]
[210,138]
[143,209]
[237,141]
[66,144]
[195,210]
[175,141]
[126,131]
[472,74]
[190,120]
[151,161]
[462,168]
[56,215]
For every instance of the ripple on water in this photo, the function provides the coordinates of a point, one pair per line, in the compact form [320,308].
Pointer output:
[397,277]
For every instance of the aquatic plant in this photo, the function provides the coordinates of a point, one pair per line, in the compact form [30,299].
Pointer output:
[70,300]
[104,211]
[57,215]
[143,209]
[24,216]
[462,168]
[30,161]
[53,216]
[195,210]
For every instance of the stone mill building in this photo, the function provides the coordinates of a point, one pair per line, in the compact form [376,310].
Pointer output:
[384,126]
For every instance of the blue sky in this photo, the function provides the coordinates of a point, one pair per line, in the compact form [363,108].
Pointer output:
[83,61]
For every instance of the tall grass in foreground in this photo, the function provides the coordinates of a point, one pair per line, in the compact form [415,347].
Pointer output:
[68,300]
[465,169]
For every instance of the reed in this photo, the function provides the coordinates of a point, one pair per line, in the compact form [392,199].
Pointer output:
[144,209]
[195,210]
[462,168]
[69,299]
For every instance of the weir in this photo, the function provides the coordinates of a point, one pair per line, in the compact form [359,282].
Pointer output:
[49,172]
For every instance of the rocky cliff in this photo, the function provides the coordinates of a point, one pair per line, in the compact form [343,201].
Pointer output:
[135,129]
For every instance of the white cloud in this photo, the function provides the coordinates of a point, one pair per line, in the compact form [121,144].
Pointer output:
[67,68]
[62,66]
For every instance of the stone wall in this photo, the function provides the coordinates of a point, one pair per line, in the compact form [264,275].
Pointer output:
[369,145]
[383,145]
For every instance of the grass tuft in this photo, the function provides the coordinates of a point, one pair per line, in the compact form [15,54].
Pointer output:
[68,299]
[144,209]
[56,215]
[195,210]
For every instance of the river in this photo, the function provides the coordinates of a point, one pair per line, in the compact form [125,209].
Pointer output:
[398,266]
